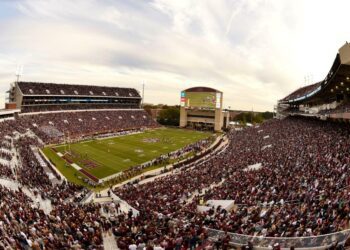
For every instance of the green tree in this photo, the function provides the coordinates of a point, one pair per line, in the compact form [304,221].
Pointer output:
[253,117]
[267,115]
[169,116]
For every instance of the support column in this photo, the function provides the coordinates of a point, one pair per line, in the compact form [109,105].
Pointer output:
[183,117]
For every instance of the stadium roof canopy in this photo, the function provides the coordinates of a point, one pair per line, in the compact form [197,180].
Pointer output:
[201,89]
[50,89]
[336,82]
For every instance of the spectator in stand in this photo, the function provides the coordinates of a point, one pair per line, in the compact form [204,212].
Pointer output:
[84,123]
[70,224]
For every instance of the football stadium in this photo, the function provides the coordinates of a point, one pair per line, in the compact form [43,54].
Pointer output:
[90,165]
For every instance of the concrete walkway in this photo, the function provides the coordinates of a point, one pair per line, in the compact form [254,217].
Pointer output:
[109,242]
[45,205]
[45,167]
[201,192]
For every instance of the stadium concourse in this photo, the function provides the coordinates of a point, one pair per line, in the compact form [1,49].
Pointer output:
[295,196]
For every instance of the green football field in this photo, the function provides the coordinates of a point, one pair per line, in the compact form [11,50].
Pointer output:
[105,157]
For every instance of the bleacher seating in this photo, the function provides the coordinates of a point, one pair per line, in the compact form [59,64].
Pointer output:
[38,97]
[69,224]
[302,91]
[52,126]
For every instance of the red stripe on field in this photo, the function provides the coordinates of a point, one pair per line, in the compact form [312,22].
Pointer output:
[89,175]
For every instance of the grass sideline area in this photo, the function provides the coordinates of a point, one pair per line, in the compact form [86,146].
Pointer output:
[104,157]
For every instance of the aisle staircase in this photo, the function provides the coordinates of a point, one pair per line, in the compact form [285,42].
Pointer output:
[109,242]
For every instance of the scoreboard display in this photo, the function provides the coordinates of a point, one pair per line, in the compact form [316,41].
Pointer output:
[201,100]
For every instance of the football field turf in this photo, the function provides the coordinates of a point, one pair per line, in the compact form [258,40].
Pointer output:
[104,157]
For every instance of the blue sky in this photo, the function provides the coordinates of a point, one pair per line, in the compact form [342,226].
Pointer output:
[255,51]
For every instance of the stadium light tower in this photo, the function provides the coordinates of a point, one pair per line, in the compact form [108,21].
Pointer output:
[19,72]
[308,79]
[143,93]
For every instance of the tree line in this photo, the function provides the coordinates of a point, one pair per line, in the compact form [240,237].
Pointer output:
[170,115]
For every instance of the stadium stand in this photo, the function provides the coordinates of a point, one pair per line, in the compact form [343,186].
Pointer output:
[36,97]
[302,92]
[287,179]
[324,98]
[268,201]
[301,190]
[67,223]
[54,125]
[35,88]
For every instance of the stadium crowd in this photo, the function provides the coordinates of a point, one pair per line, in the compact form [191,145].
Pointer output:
[69,225]
[5,155]
[302,188]
[344,107]
[80,106]
[51,127]
[5,171]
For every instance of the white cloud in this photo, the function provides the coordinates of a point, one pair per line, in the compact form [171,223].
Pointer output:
[256,51]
